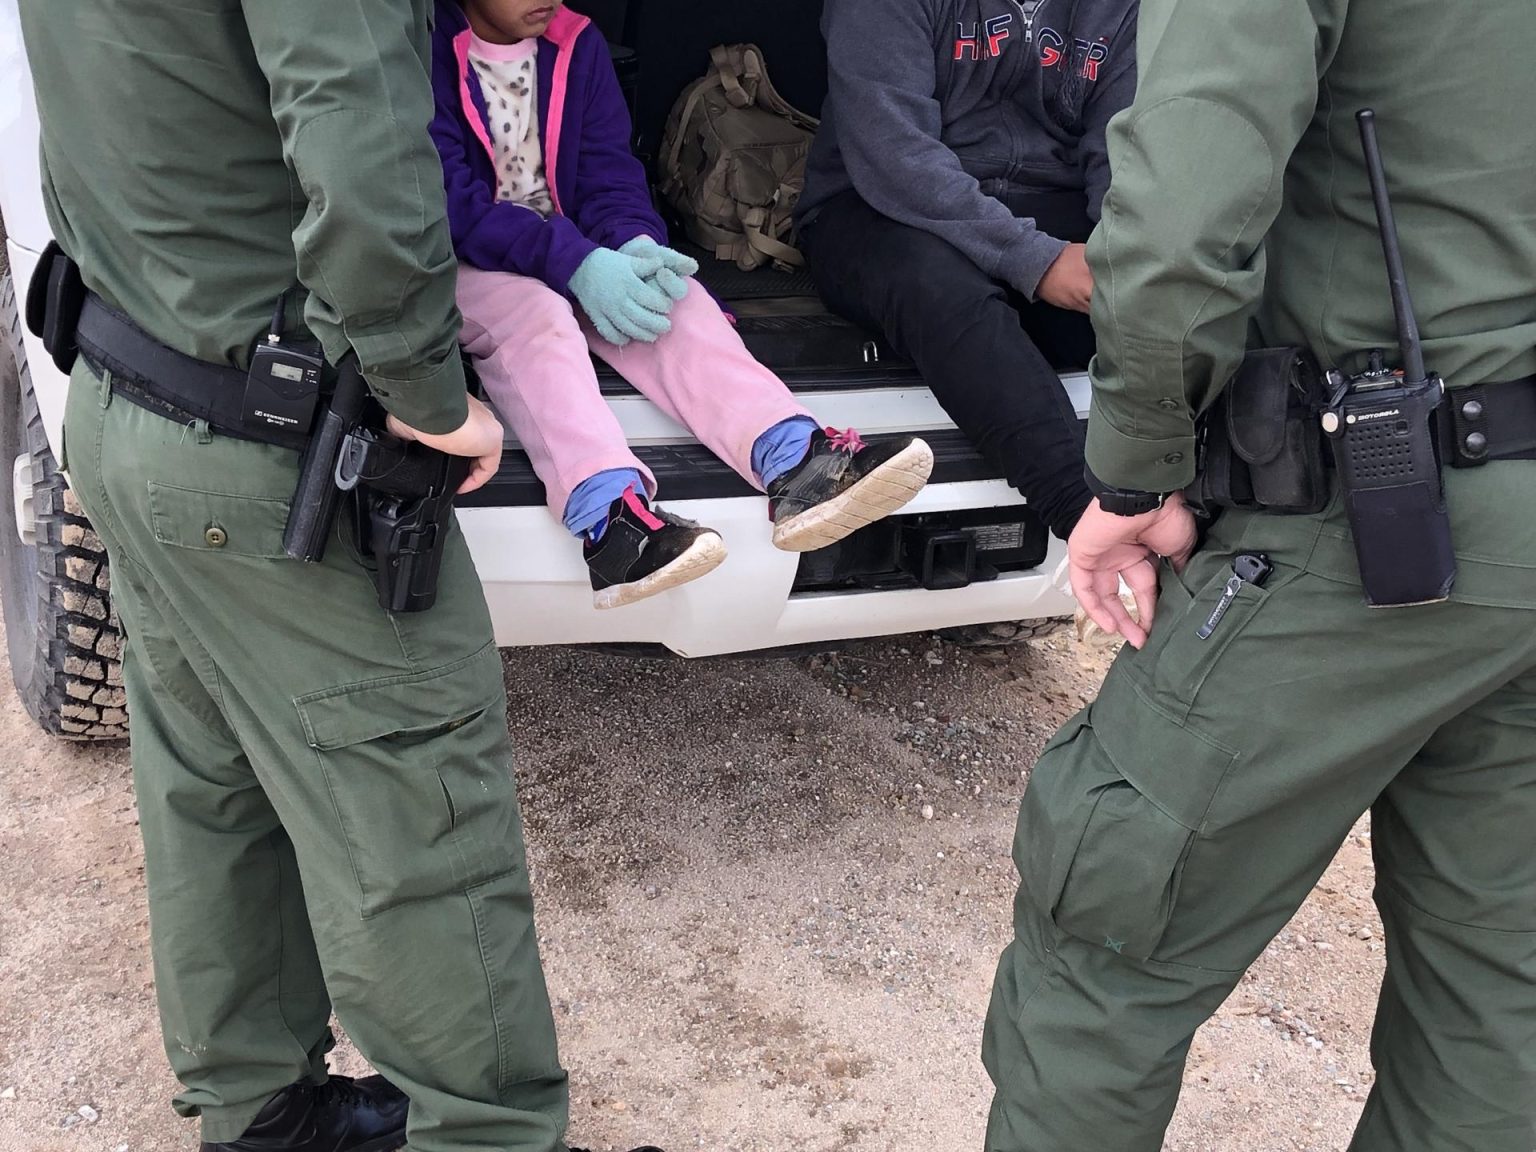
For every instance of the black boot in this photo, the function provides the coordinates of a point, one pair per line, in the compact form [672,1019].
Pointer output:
[341,1115]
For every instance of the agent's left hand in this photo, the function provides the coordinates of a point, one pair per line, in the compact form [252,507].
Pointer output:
[675,270]
[1105,548]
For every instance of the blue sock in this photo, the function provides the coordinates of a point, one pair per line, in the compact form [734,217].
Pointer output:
[586,512]
[780,448]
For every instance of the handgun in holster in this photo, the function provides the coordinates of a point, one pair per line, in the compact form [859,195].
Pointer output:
[401,494]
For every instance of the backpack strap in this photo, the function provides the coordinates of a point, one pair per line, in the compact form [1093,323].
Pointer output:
[764,244]
[732,66]
[700,88]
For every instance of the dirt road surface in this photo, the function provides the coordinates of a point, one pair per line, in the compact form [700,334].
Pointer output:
[755,941]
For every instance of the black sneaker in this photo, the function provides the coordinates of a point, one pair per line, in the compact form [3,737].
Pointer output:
[644,551]
[341,1115]
[647,1148]
[844,484]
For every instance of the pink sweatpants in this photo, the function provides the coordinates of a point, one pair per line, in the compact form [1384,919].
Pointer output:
[531,346]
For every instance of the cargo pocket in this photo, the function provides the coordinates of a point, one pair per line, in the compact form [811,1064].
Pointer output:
[419,769]
[1177,662]
[1111,812]
[218,522]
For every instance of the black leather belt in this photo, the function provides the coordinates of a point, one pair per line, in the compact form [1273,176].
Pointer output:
[165,381]
[1489,422]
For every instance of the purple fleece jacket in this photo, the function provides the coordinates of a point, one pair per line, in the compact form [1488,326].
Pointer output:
[598,187]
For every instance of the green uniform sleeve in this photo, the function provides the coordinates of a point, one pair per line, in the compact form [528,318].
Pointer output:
[352,98]
[1225,93]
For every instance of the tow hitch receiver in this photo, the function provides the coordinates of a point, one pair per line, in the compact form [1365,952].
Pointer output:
[939,558]
[934,550]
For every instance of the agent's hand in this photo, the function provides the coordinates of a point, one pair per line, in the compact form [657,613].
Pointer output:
[675,269]
[1105,548]
[479,436]
[615,291]
[1068,283]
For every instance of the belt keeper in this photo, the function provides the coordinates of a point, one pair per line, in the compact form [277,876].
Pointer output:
[1469,424]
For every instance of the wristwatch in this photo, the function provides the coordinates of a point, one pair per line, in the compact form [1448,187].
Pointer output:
[1123,501]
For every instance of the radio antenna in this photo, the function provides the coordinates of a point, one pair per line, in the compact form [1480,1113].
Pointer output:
[1402,304]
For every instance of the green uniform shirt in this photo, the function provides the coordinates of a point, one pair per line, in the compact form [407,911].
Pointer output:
[202,156]
[1239,192]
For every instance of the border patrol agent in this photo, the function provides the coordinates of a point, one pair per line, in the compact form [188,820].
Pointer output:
[324,788]
[1172,828]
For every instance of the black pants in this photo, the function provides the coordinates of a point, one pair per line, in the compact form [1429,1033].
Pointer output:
[989,355]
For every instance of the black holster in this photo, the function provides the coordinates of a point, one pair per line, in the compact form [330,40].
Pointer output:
[1259,444]
[403,513]
[401,494]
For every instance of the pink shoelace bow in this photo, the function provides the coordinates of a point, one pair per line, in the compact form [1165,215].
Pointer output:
[848,439]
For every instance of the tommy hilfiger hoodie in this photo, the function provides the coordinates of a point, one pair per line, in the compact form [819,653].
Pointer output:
[937,108]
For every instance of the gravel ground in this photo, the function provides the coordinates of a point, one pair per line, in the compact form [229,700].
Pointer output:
[771,896]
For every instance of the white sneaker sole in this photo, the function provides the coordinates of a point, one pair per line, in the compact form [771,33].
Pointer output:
[703,557]
[883,491]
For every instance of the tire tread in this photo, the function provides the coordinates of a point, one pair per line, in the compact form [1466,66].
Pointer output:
[76,690]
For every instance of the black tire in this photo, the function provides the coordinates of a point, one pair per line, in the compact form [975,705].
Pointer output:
[63,637]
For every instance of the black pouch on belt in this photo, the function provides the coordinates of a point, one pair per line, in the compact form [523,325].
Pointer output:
[54,300]
[1259,443]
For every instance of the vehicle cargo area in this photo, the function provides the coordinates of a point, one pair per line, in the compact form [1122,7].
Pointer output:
[660,47]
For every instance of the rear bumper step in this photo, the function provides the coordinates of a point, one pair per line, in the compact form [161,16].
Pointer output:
[693,472]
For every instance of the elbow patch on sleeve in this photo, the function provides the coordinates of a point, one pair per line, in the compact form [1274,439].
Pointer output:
[1192,179]
[367,241]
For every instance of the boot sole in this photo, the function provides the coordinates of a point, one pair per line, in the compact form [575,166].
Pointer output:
[888,488]
[703,557]
[384,1144]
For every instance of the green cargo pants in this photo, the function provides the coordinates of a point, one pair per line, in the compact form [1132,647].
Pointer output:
[1171,829]
[326,799]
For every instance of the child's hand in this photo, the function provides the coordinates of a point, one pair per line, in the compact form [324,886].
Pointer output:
[616,292]
[675,270]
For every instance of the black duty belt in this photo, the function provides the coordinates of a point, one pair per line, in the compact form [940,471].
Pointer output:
[1489,422]
[165,381]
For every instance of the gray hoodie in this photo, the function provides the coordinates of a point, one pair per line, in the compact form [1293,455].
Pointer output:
[937,108]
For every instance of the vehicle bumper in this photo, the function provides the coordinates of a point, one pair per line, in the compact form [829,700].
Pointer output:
[538,590]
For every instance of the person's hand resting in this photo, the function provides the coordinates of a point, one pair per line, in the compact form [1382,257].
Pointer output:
[1068,283]
[675,268]
[615,291]
[1105,548]
[480,437]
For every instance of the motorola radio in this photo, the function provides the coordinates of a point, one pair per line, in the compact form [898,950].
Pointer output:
[1382,424]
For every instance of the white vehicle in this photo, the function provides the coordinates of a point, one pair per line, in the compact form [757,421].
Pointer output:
[966,552]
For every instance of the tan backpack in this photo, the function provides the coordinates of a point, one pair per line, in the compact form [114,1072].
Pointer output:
[733,161]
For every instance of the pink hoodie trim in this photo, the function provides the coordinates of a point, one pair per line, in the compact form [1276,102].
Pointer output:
[461,53]
[562,33]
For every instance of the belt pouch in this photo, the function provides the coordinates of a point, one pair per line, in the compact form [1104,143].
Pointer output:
[1260,443]
[54,300]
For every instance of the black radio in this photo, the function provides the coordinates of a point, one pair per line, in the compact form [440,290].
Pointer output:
[1383,425]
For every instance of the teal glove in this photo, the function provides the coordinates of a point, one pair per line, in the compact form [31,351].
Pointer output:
[675,269]
[615,291]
